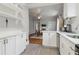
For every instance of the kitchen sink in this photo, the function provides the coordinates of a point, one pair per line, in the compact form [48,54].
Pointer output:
[74,36]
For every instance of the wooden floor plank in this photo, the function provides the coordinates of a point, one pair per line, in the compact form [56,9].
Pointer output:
[35,41]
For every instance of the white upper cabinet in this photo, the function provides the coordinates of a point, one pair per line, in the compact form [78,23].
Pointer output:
[10,10]
[7,10]
[69,10]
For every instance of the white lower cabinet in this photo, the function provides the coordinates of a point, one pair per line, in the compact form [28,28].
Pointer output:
[10,45]
[46,38]
[49,38]
[2,52]
[53,40]
[20,43]
[66,47]
[13,45]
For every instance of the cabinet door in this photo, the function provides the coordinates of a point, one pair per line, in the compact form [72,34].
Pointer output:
[63,49]
[70,47]
[65,10]
[23,41]
[23,36]
[69,10]
[52,39]
[20,44]
[2,52]
[10,45]
[61,46]
[7,9]
[58,40]
[71,7]
[46,38]
[2,22]
[66,47]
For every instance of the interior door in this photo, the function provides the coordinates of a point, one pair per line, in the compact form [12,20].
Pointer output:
[10,46]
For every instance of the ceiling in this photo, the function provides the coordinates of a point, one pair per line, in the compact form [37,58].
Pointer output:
[42,9]
[47,10]
[34,5]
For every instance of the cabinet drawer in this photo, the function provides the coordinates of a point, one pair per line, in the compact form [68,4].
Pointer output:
[66,46]
[69,44]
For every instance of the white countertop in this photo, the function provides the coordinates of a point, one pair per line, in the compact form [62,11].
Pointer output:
[73,40]
[8,32]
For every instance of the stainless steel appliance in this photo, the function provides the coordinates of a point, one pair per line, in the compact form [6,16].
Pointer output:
[77,49]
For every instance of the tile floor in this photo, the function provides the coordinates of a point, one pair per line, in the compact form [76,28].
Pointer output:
[33,49]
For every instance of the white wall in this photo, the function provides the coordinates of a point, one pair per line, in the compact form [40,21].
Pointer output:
[50,23]
[31,25]
[25,22]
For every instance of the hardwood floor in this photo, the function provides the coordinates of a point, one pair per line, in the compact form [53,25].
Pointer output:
[35,40]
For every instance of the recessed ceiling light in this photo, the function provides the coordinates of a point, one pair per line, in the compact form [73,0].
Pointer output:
[39,17]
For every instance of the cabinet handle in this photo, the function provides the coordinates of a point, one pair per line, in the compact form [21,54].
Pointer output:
[6,41]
